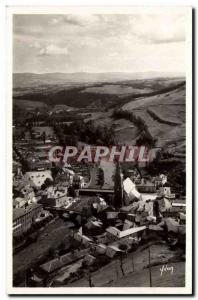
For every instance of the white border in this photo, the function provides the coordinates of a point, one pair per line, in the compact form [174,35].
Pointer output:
[99,9]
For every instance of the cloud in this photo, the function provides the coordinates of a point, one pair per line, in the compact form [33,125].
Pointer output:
[76,20]
[176,39]
[53,50]
[68,19]
[36,45]
[55,21]
[156,29]
[100,42]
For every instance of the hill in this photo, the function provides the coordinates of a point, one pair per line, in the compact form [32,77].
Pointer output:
[159,101]
[165,116]
[163,113]
[96,91]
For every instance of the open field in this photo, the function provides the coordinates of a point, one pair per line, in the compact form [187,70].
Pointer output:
[30,104]
[116,89]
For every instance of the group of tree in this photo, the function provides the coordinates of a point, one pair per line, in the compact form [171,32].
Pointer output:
[87,132]
[173,168]
[145,137]
[47,183]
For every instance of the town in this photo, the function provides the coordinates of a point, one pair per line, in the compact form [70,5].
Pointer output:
[73,221]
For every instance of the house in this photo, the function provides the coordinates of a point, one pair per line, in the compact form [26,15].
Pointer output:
[146,186]
[172,225]
[130,217]
[94,191]
[127,224]
[111,217]
[131,193]
[141,218]
[112,251]
[179,204]
[54,201]
[114,233]
[89,260]
[93,227]
[166,192]
[102,239]
[29,195]
[155,228]
[24,217]
[164,203]
[20,186]
[43,215]
[131,208]
[59,262]
[16,168]
[83,239]
[39,164]
[170,213]
[65,274]
[77,180]
[99,248]
[182,218]
[19,202]
[38,177]
[159,180]
[171,207]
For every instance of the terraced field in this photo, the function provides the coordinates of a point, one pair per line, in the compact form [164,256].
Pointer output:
[163,113]
[170,108]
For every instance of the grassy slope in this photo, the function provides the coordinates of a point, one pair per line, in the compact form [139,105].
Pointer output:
[169,106]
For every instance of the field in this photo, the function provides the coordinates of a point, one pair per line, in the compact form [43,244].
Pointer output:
[115,89]
[168,107]
[30,104]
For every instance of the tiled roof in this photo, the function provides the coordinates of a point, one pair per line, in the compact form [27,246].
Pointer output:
[63,260]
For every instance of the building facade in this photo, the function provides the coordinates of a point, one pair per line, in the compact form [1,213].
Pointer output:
[24,217]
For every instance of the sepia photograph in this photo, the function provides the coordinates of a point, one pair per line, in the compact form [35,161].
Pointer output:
[100,131]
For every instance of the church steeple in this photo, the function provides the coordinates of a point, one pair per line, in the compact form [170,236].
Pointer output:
[118,189]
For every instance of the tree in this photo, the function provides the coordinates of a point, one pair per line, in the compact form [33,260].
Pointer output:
[43,137]
[48,182]
[71,191]
[156,209]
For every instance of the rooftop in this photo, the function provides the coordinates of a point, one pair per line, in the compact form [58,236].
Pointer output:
[65,259]
[19,212]
[120,234]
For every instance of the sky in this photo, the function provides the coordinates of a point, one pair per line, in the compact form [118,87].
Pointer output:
[141,42]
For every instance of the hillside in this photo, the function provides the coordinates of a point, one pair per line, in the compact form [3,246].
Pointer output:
[169,108]
[164,115]
[96,91]
[159,101]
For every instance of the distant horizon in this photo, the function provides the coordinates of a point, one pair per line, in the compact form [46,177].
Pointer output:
[110,72]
